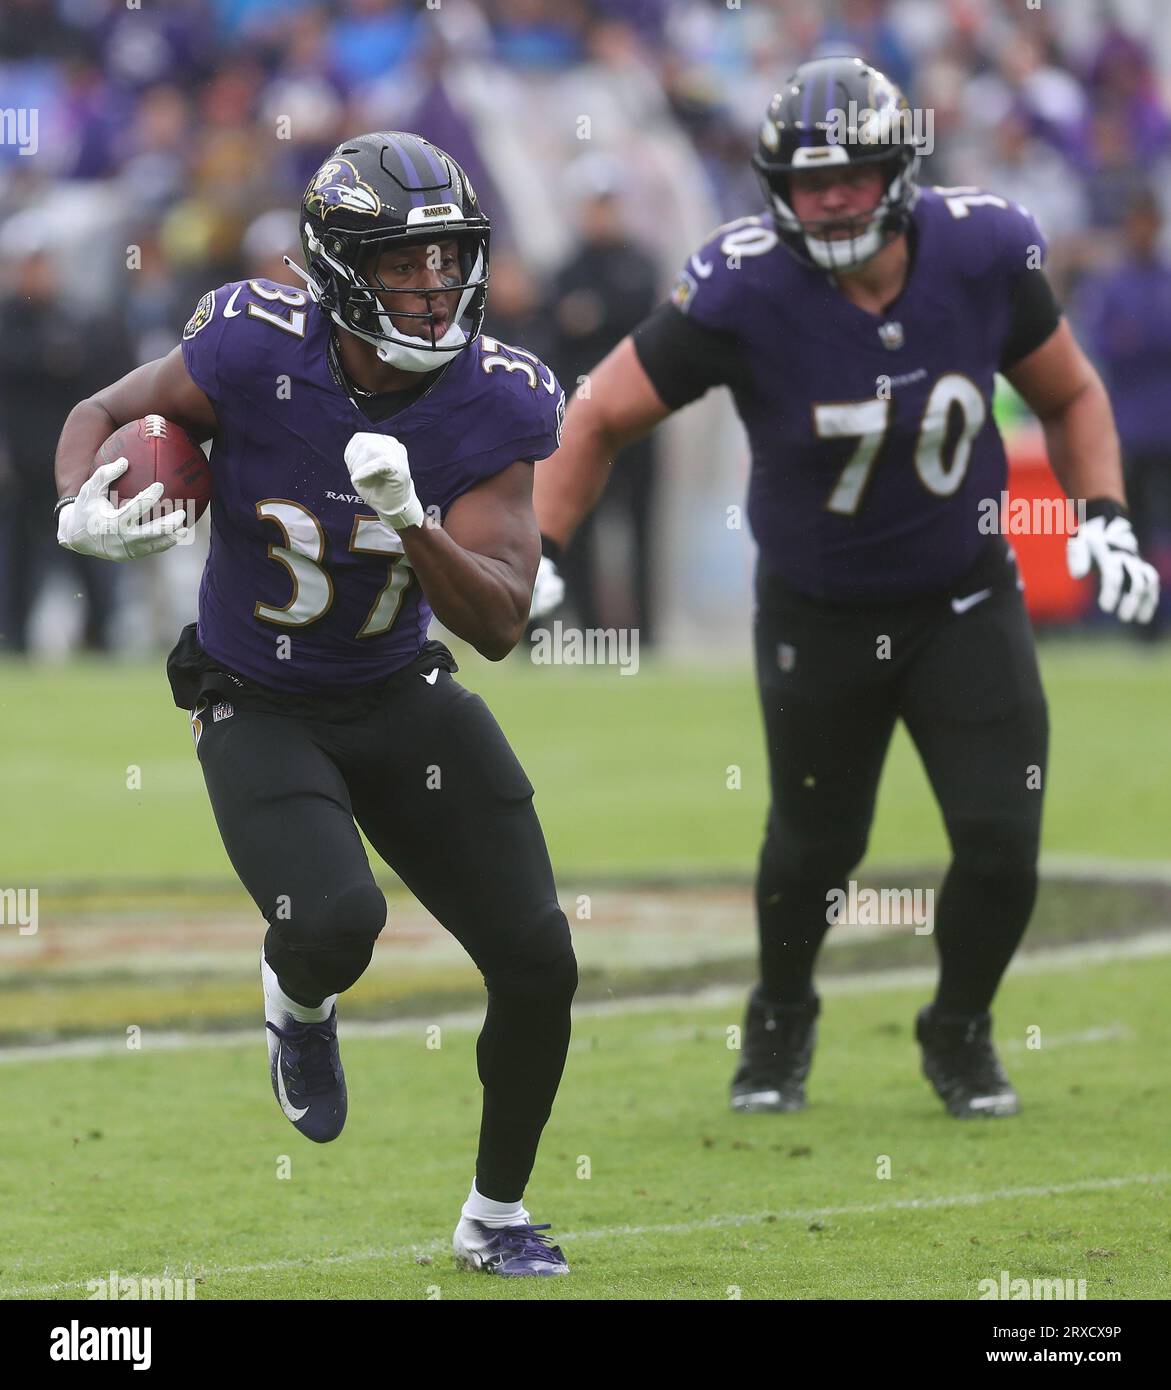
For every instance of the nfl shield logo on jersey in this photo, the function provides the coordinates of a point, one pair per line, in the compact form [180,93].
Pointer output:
[891,335]
[223,710]
[786,656]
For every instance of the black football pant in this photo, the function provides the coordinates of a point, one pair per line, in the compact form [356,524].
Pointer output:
[961,672]
[431,780]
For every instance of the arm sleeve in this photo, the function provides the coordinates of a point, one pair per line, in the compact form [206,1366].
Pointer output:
[1035,314]
[682,358]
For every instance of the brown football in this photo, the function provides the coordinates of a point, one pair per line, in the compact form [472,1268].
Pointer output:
[159,451]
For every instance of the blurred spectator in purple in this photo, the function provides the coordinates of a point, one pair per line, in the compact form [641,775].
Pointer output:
[142,46]
[1122,80]
[1114,175]
[97,116]
[1127,316]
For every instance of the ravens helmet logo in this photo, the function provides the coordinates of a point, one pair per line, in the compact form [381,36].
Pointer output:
[337,185]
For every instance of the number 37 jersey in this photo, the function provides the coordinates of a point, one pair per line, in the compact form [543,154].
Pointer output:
[305,589]
[871,434]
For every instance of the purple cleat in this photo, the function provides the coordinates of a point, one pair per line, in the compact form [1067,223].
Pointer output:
[307,1076]
[517,1252]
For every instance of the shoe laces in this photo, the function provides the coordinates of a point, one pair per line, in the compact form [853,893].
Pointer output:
[527,1242]
[311,1048]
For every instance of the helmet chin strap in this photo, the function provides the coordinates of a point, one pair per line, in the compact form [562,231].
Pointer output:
[405,351]
[843,253]
[848,251]
[402,352]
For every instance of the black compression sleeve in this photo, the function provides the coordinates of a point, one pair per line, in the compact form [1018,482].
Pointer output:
[682,358]
[1035,314]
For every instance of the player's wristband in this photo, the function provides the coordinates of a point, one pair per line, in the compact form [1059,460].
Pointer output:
[550,549]
[1105,507]
[62,502]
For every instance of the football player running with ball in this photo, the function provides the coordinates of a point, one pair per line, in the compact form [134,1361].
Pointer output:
[372,464]
[859,324]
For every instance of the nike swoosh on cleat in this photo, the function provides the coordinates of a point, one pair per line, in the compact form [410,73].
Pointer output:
[229,311]
[431,676]
[961,605]
[282,1095]
[987,1102]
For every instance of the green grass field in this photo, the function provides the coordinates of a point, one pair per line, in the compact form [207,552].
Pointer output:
[164,1160]
[167,1163]
[631,773]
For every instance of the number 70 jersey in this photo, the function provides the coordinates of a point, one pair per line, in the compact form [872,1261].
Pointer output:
[872,438]
[305,590]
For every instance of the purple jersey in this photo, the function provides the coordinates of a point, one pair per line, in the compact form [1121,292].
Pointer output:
[871,435]
[304,589]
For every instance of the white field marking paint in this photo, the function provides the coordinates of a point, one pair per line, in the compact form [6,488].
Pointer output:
[1144,947]
[1112,1032]
[1079,867]
[673,1228]
[710,1032]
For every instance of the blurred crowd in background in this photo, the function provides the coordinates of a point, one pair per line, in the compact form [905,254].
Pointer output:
[604,137]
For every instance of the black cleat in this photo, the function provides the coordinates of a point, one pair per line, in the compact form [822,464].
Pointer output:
[961,1063]
[778,1050]
[307,1076]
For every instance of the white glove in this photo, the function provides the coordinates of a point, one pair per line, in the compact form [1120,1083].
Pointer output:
[548,591]
[92,525]
[1107,544]
[381,475]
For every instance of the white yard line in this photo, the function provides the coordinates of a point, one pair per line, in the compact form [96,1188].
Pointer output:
[1144,947]
[1108,1032]
[1084,867]
[431,1249]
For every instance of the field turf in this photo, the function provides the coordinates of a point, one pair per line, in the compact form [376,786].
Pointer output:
[160,1161]
[166,1163]
[631,773]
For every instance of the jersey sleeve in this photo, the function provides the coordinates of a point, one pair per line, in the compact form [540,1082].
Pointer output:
[1020,245]
[690,343]
[202,342]
[515,416]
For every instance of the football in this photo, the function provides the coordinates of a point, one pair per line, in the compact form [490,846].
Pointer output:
[159,451]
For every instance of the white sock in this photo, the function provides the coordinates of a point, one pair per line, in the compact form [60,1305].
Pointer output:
[478,1208]
[276,1001]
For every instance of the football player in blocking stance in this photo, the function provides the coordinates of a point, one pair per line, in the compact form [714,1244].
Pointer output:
[859,324]
[372,464]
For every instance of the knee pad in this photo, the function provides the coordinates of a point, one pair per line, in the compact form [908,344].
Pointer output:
[548,977]
[543,986]
[788,858]
[322,946]
[1001,848]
